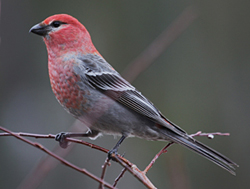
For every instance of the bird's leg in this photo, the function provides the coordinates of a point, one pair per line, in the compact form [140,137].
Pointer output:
[115,149]
[62,137]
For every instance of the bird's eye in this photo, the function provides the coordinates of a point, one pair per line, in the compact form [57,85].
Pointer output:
[56,24]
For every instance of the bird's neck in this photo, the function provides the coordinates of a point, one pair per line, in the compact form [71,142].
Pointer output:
[58,44]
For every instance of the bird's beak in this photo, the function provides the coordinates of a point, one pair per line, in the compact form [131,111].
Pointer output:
[41,29]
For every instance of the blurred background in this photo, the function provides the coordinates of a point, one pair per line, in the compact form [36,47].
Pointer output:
[201,82]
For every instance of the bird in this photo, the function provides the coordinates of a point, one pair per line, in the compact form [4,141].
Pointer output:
[91,90]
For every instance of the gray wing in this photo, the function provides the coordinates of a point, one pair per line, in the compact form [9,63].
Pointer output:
[103,77]
[120,90]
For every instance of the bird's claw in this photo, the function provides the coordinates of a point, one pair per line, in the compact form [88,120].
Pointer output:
[62,139]
[112,153]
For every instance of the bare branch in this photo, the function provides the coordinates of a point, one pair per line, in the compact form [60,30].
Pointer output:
[124,162]
[209,135]
[63,161]
[51,136]
[163,150]
[119,176]
[132,168]
[104,167]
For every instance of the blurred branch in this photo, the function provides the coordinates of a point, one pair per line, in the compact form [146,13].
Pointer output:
[45,165]
[159,45]
[42,169]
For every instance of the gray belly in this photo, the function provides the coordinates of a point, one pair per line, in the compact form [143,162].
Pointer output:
[110,117]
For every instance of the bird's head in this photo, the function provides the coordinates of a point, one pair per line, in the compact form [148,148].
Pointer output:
[64,32]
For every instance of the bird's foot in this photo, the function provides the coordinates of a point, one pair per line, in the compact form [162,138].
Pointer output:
[62,139]
[112,154]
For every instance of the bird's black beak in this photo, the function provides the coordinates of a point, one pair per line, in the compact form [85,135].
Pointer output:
[40,29]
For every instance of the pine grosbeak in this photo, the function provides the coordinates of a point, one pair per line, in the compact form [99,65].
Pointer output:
[89,88]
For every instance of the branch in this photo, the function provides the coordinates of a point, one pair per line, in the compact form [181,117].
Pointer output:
[164,150]
[65,162]
[51,136]
[124,162]
[119,177]
[209,135]
[132,168]
[104,167]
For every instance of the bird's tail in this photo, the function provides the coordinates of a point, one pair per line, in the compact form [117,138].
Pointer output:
[205,151]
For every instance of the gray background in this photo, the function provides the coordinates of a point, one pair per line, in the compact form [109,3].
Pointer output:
[201,82]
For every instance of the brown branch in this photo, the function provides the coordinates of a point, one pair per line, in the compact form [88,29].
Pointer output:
[163,150]
[104,167]
[209,135]
[63,161]
[124,162]
[132,168]
[119,176]
[51,136]
[48,163]
[44,166]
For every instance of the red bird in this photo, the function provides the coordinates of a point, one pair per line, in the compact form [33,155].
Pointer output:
[90,89]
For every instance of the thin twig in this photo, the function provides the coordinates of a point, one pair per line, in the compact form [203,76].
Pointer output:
[104,167]
[28,135]
[119,176]
[163,150]
[209,135]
